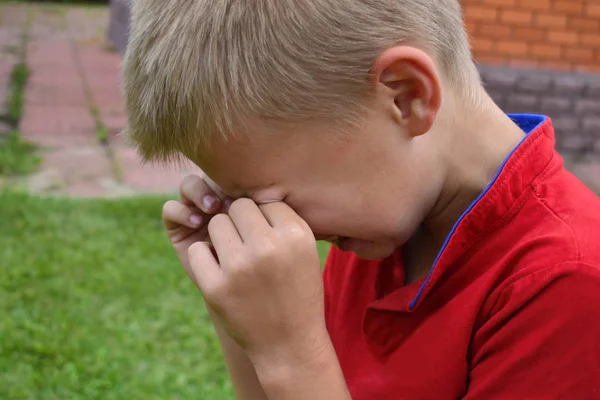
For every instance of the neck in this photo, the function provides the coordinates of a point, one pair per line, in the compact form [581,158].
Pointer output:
[480,142]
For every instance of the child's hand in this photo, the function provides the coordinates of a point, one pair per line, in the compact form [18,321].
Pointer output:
[264,285]
[186,221]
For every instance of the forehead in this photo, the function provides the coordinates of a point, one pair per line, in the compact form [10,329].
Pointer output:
[268,154]
[237,167]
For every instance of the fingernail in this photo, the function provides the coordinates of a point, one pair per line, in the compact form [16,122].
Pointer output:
[196,220]
[208,202]
[226,205]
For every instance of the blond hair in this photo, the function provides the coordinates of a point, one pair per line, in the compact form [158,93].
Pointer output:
[196,70]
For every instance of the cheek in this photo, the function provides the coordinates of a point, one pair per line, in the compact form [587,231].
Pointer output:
[381,217]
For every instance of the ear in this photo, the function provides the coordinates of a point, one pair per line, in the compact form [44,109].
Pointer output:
[408,80]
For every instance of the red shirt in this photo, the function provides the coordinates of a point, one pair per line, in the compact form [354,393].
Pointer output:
[510,309]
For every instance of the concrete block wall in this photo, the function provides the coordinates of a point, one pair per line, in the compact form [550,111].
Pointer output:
[572,100]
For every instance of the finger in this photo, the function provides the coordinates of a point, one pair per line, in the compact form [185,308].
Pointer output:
[248,219]
[204,267]
[280,214]
[175,214]
[224,236]
[194,191]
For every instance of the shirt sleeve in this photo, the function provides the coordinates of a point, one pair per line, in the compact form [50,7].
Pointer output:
[541,340]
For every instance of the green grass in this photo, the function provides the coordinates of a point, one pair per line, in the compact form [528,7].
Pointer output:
[18,80]
[17,157]
[94,305]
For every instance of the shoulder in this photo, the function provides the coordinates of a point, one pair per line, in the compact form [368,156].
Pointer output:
[556,298]
[542,337]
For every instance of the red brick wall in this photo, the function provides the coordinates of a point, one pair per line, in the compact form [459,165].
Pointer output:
[556,34]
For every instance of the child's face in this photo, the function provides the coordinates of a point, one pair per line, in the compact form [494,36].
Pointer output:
[371,188]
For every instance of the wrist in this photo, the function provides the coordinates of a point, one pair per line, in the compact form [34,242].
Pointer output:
[303,370]
[295,356]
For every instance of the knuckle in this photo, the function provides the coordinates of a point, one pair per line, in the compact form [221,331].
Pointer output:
[264,250]
[238,261]
[213,292]
[297,231]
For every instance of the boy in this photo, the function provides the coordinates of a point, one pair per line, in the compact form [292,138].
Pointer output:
[467,265]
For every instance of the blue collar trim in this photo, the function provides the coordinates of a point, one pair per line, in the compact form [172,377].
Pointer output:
[528,123]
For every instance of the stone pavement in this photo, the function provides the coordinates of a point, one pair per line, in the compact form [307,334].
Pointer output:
[73,103]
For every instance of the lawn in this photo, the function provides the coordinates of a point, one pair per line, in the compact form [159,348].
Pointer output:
[93,305]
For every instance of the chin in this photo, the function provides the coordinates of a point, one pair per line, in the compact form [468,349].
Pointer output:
[366,250]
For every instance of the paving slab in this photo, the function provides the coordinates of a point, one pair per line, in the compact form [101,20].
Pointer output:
[59,126]
[72,170]
[147,178]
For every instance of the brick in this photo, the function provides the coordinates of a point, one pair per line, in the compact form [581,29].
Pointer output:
[566,124]
[535,83]
[511,48]
[557,65]
[523,102]
[575,54]
[481,45]
[592,88]
[584,24]
[529,34]
[591,125]
[587,106]
[556,105]
[480,13]
[499,98]
[516,17]
[589,172]
[563,37]
[592,68]
[546,52]
[590,39]
[517,63]
[540,5]
[502,3]
[490,60]
[567,85]
[593,10]
[568,7]
[494,31]
[472,27]
[499,78]
[550,21]
[575,142]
